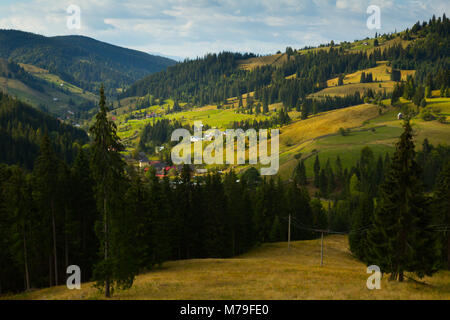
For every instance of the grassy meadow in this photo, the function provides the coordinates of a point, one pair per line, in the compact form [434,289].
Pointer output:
[271,271]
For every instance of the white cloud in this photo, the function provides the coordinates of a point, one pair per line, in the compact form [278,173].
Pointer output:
[194,27]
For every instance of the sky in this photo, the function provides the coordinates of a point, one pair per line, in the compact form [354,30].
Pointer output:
[192,28]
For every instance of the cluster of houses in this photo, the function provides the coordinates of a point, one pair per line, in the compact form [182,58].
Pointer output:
[145,115]
[162,168]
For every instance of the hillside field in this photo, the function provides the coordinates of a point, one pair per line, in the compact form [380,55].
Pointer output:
[271,271]
[319,134]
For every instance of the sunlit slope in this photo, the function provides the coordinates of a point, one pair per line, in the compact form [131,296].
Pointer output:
[39,87]
[366,45]
[320,135]
[351,83]
[327,123]
[271,271]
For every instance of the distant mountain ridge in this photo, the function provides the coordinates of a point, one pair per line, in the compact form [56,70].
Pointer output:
[81,60]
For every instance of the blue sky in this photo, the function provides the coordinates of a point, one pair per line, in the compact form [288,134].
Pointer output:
[192,28]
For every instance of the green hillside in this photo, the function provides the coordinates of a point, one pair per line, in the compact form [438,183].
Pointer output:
[79,60]
[225,89]
[45,91]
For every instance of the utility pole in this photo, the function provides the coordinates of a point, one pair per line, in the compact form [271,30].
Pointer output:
[289,232]
[321,249]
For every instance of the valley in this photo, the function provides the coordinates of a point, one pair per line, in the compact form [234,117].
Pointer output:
[88,178]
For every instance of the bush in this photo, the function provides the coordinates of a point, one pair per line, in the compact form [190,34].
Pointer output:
[423,103]
[426,115]
[343,132]
[442,119]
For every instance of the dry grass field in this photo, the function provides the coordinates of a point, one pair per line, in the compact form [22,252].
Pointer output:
[271,271]
[382,72]
[351,88]
[252,63]
[327,123]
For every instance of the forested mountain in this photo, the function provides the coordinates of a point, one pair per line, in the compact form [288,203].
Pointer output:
[216,77]
[22,128]
[80,60]
[11,70]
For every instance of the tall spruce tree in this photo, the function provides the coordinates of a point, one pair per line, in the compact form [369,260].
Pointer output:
[401,240]
[117,267]
[85,214]
[361,222]
[442,207]
[46,193]
[19,207]
[300,173]
[317,172]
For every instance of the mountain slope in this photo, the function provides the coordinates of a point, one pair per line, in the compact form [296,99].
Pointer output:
[80,60]
[21,130]
[291,76]
[44,90]
[271,271]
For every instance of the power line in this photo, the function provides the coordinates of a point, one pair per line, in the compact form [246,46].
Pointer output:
[294,222]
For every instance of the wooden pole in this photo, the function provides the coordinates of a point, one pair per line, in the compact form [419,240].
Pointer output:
[289,232]
[321,250]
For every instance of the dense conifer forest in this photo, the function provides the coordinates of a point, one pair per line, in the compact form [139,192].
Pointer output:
[79,60]
[22,128]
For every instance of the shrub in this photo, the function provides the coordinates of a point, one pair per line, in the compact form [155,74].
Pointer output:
[343,132]
[426,115]
[442,119]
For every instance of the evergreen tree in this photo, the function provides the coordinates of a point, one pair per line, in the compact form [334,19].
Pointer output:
[85,214]
[46,193]
[300,173]
[442,211]
[363,77]
[401,239]
[265,105]
[362,220]
[19,205]
[317,172]
[116,269]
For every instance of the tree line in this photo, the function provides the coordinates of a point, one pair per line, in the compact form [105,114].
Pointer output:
[22,128]
[216,77]
[115,222]
[395,208]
